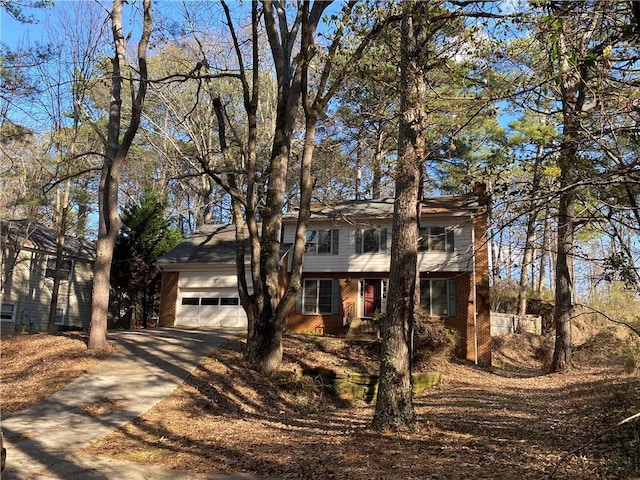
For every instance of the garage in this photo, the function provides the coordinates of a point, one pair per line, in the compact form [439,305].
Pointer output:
[210,308]
[200,282]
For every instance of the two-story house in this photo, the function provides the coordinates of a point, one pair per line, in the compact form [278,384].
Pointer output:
[346,271]
[27,271]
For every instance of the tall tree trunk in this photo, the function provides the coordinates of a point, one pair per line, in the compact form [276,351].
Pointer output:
[564,282]
[527,257]
[394,404]
[62,210]
[377,163]
[545,251]
[571,81]
[116,151]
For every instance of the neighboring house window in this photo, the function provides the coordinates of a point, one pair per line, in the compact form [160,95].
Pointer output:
[322,242]
[438,297]
[64,272]
[7,311]
[59,316]
[373,240]
[436,239]
[319,296]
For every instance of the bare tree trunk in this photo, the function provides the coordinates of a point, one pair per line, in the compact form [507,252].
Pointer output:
[545,252]
[377,163]
[116,151]
[564,283]
[527,257]
[571,82]
[394,404]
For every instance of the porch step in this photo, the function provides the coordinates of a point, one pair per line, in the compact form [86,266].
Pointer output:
[362,329]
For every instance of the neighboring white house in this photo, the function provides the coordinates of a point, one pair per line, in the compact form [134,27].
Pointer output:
[27,266]
[346,270]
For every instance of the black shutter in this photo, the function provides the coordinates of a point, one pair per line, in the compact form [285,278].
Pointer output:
[383,240]
[299,298]
[335,304]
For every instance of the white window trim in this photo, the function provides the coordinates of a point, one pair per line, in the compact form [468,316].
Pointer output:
[426,231]
[71,269]
[311,246]
[451,312]
[316,311]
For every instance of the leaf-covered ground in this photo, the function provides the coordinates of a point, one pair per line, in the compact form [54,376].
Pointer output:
[37,365]
[513,422]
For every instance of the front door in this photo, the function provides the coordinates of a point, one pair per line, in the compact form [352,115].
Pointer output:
[372,297]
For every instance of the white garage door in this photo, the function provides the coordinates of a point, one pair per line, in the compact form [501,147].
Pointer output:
[210,308]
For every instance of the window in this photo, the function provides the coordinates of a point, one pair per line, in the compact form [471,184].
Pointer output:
[7,311]
[229,301]
[59,316]
[319,296]
[63,273]
[322,242]
[436,239]
[372,240]
[209,301]
[438,297]
[190,301]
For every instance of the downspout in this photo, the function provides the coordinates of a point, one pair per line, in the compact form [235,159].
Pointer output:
[475,307]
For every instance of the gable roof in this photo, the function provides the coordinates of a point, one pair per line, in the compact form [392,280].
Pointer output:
[27,234]
[210,243]
[213,243]
[383,208]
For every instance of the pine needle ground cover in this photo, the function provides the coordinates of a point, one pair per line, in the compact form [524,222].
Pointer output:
[512,422]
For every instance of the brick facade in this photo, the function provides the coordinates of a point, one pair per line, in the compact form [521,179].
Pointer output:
[472,319]
[168,298]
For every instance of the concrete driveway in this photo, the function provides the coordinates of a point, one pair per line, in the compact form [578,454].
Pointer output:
[42,442]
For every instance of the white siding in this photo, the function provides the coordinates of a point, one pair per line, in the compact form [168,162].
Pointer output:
[218,278]
[456,261]
[30,291]
[348,260]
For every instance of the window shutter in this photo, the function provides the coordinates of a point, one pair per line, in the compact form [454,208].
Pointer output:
[449,241]
[299,299]
[383,240]
[358,241]
[335,307]
[451,293]
[335,234]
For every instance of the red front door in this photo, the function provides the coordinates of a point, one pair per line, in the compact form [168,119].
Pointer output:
[372,297]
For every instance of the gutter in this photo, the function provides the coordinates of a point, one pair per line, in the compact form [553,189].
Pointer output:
[475,306]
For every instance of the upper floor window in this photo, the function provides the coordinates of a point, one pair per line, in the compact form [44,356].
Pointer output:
[63,273]
[322,242]
[436,239]
[372,240]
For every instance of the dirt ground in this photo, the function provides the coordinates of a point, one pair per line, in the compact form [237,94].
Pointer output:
[510,422]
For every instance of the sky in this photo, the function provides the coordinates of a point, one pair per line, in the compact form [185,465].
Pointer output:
[13,33]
